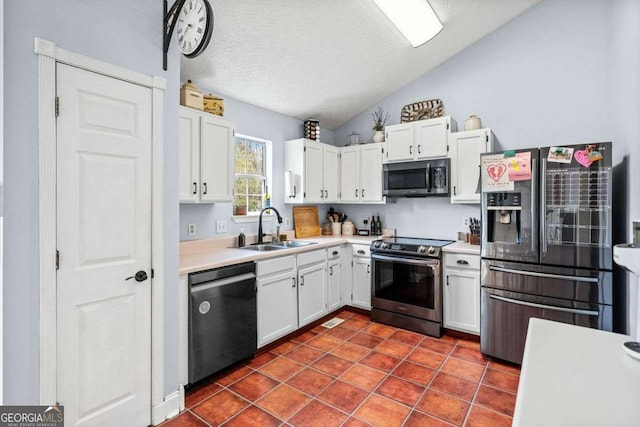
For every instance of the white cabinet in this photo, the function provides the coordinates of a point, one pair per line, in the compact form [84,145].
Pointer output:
[464,150]
[314,168]
[277,298]
[461,296]
[334,278]
[206,157]
[312,286]
[361,277]
[361,173]
[423,139]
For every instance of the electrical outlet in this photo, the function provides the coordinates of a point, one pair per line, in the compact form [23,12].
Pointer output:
[192,229]
[221,226]
[287,222]
[465,222]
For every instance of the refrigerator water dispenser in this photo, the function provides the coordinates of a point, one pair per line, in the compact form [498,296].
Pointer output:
[504,215]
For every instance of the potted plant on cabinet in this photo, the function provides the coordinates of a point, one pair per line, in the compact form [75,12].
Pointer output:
[379,118]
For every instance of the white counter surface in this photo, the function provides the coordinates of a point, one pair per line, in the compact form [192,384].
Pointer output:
[574,376]
[462,248]
[199,255]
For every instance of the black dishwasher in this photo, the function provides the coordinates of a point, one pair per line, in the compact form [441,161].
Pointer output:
[222,318]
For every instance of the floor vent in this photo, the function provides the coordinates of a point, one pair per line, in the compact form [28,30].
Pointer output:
[332,323]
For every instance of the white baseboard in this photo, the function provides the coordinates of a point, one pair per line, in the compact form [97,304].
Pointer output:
[169,408]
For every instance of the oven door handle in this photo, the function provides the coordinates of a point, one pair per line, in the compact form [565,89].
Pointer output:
[431,263]
[546,307]
[545,275]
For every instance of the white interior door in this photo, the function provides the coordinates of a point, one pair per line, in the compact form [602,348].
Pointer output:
[104,237]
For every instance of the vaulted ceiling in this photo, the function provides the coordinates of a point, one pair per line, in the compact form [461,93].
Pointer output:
[329,60]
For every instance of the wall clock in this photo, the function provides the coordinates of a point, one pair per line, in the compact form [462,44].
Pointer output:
[193,22]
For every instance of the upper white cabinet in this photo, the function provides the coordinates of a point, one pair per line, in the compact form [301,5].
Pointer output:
[464,150]
[423,139]
[314,168]
[206,152]
[361,173]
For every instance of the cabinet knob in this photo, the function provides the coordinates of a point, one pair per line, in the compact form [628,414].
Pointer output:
[294,282]
[362,192]
[368,268]
[204,188]
[418,148]
[335,253]
[195,188]
[331,271]
[326,194]
[410,149]
[447,280]
[462,262]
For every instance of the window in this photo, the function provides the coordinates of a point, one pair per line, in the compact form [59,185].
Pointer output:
[253,174]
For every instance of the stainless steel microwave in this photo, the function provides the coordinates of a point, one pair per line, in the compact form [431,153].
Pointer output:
[416,179]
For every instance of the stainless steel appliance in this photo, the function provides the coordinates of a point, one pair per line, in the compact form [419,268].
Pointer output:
[416,179]
[222,318]
[546,248]
[406,287]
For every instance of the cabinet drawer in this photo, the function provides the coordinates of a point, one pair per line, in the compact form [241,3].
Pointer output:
[264,268]
[470,262]
[334,252]
[312,257]
[361,250]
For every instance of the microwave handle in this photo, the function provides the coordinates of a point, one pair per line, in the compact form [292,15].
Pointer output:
[429,177]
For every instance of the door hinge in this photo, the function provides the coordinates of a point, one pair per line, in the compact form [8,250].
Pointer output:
[57,106]
[486,137]
[382,148]
[304,148]
[153,273]
[351,263]
[447,148]
[57,259]
[447,126]
[304,194]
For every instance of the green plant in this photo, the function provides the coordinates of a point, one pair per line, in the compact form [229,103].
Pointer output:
[379,118]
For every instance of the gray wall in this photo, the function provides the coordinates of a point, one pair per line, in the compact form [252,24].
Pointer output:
[541,79]
[259,123]
[121,32]
[564,72]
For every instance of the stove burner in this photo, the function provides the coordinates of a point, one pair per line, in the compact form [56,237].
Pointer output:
[410,246]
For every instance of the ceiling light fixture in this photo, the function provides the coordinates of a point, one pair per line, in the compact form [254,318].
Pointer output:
[415,19]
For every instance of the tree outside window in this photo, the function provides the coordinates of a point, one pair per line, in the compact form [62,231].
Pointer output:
[251,174]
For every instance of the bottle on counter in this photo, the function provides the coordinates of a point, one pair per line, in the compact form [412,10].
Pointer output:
[373,225]
[241,238]
[267,203]
[378,225]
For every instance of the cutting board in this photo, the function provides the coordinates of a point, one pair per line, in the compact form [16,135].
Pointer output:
[306,221]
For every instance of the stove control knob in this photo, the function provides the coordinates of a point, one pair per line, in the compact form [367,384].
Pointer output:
[422,249]
[377,244]
[385,245]
[431,250]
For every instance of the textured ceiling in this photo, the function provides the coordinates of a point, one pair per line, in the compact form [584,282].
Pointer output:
[329,60]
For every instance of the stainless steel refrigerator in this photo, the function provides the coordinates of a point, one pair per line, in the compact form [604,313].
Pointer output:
[546,242]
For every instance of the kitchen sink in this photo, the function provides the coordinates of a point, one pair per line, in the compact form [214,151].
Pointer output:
[263,247]
[292,244]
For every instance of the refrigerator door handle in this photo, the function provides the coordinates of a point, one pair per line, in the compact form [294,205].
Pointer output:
[534,206]
[546,307]
[543,207]
[545,275]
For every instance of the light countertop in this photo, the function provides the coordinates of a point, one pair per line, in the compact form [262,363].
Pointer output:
[199,255]
[462,248]
[575,376]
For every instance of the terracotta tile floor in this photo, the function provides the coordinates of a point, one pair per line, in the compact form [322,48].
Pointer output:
[359,373]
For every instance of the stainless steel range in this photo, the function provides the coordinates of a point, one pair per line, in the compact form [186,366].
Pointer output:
[406,288]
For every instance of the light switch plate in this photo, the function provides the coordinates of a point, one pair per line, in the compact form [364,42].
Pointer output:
[192,229]
[465,222]
[221,226]
[286,221]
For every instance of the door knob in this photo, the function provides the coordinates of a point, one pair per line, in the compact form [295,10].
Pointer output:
[140,276]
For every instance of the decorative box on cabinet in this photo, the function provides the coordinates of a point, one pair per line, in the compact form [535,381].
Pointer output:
[314,169]
[419,140]
[361,173]
[206,157]
[464,150]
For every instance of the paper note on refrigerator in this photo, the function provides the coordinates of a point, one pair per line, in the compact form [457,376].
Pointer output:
[494,173]
[519,167]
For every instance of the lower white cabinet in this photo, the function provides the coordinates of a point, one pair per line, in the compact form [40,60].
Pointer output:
[334,278]
[461,296]
[361,277]
[312,292]
[277,298]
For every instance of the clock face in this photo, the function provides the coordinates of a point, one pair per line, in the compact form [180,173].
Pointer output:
[194,27]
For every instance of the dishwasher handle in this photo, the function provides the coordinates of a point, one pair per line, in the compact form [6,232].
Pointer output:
[222,282]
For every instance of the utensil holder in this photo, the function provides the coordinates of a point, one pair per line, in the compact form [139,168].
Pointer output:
[336,228]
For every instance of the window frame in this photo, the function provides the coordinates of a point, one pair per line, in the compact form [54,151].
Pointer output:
[268,168]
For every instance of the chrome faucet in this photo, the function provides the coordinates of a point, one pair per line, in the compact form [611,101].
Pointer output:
[260,235]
